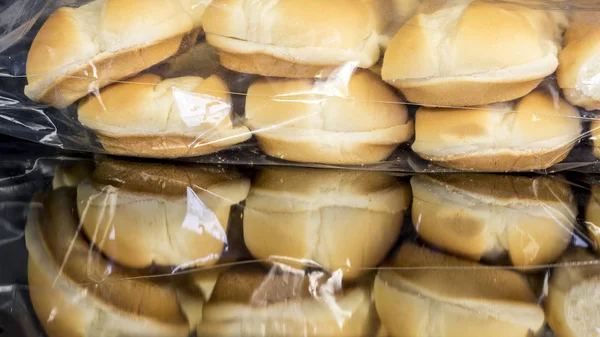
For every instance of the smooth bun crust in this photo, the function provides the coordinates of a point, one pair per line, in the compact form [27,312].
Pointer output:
[580,61]
[592,215]
[159,214]
[82,49]
[431,294]
[308,217]
[337,121]
[291,38]
[493,51]
[488,216]
[533,133]
[167,118]
[251,301]
[66,273]
[573,295]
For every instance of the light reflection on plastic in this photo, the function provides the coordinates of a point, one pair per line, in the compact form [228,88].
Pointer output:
[200,219]
[326,294]
[197,109]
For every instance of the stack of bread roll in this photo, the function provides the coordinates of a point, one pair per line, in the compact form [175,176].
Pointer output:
[106,245]
[94,54]
[320,93]
[142,248]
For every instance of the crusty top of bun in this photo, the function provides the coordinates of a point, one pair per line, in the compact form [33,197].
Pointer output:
[312,189]
[578,68]
[159,178]
[485,41]
[359,103]
[55,235]
[505,189]
[72,38]
[149,106]
[309,31]
[447,278]
[537,122]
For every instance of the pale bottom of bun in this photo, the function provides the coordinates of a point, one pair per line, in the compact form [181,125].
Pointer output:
[502,161]
[576,97]
[575,313]
[172,146]
[463,93]
[409,314]
[96,74]
[353,315]
[325,147]
[267,65]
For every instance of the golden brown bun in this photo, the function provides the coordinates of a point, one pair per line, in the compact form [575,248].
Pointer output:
[465,53]
[431,294]
[249,301]
[533,133]
[592,215]
[79,50]
[579,61]
[342,221]
[141,214]
[292,38]
[573,295]
[71,174]
[482,216]
[358,120]
[151,117]
[76,292]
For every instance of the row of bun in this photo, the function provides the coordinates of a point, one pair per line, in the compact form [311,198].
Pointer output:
[309,83]
[139,248]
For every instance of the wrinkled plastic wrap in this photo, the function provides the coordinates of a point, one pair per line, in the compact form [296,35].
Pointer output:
[387,85]
[110,247]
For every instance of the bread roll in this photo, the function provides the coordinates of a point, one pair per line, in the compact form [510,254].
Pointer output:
[292,38]
[431,294]
[357,120]
[249,301]
[341,221]
[592,215]
[577,73]
[480,216]
[465,53]
[148,116]
[153,214]
[79,50]
[573,296]
[76,293]
[533,133]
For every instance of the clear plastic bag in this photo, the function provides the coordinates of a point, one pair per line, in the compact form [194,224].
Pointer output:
[417,86]
[112,247]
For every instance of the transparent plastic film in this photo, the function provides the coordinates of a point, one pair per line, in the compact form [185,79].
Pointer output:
[391,85]
[115,247]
